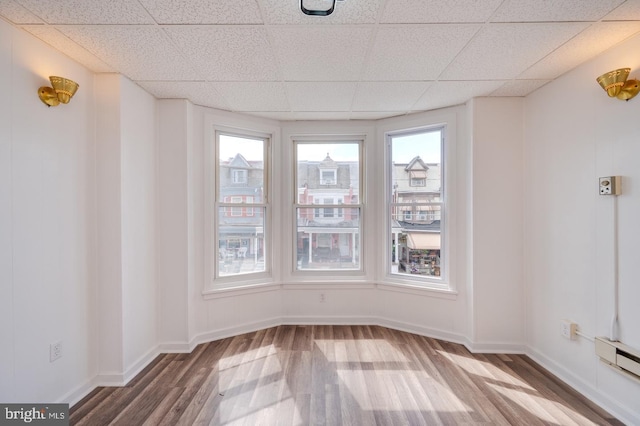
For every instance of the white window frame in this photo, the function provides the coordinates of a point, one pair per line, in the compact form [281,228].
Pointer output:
[445,284]
[215,285]
[360,244]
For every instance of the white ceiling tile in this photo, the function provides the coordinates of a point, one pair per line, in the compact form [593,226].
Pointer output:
[88,11]
[592,41]
[433,11]
[519,87]
[374,115]
[283,116]
[388,96]
[227,53]
[199,93]
[346,12]
[321,96]
[17,14]
[140,53]
[628,11]
[56,39]
[324,116]
[321,53]
[416,52]
[504,51]
[447,93]
[203,11]
[254,96]
[553,10]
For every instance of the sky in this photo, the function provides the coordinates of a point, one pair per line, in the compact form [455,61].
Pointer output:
[426,145]
[251,149]
[404,148]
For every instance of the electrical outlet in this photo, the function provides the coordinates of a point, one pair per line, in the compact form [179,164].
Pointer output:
[322,298]
[55,351]
[609,185]
[569,329]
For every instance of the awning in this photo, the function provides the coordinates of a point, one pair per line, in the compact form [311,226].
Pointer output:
[423,240]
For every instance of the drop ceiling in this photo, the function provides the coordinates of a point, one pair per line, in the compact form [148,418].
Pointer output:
[370,59]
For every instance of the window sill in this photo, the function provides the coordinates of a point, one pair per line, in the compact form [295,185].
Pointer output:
[239,290]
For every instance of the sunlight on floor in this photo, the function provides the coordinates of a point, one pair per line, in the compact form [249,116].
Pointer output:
[246,356]
[544,409]
[399,394]
[246,402]
[365,350]
[484,369]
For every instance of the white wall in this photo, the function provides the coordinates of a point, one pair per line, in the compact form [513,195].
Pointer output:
[47,224]
[574,133]
[139,191]
[127,314]
[497,236]
[109,327]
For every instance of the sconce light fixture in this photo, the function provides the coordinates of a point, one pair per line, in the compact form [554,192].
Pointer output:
[318,7]
[62,90]
[615,83]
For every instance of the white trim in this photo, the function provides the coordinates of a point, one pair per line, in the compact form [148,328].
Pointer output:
[240,290]
[76,395]
[447,120]
[212,336]
[496,348]
[433,333]
[253,127]
[329,320]
[599,398]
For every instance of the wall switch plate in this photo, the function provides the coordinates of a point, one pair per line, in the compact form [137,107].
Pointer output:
[609,185]
[569,329]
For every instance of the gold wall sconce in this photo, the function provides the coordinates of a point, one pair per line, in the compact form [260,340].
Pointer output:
[62,90]
[615,83]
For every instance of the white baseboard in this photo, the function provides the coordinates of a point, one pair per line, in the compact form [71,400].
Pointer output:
[327,320]
[625,415]
[140,364]
[496,348]
[76,395]
[422,331]
[212,336]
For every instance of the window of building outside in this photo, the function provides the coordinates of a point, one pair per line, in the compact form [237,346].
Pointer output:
[327,174]
[241,210]
[239,176]
[417,207]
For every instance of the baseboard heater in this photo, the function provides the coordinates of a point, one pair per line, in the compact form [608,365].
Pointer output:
[619,356]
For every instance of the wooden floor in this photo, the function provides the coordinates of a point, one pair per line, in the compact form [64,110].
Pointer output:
[338,375]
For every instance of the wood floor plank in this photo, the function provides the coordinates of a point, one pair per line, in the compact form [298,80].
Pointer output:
[338,375]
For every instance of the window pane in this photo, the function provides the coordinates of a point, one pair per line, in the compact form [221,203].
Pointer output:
[415,237]
[416,203]
[241,169]
[416,170]
[328,242]
[328,171]
[241,248]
